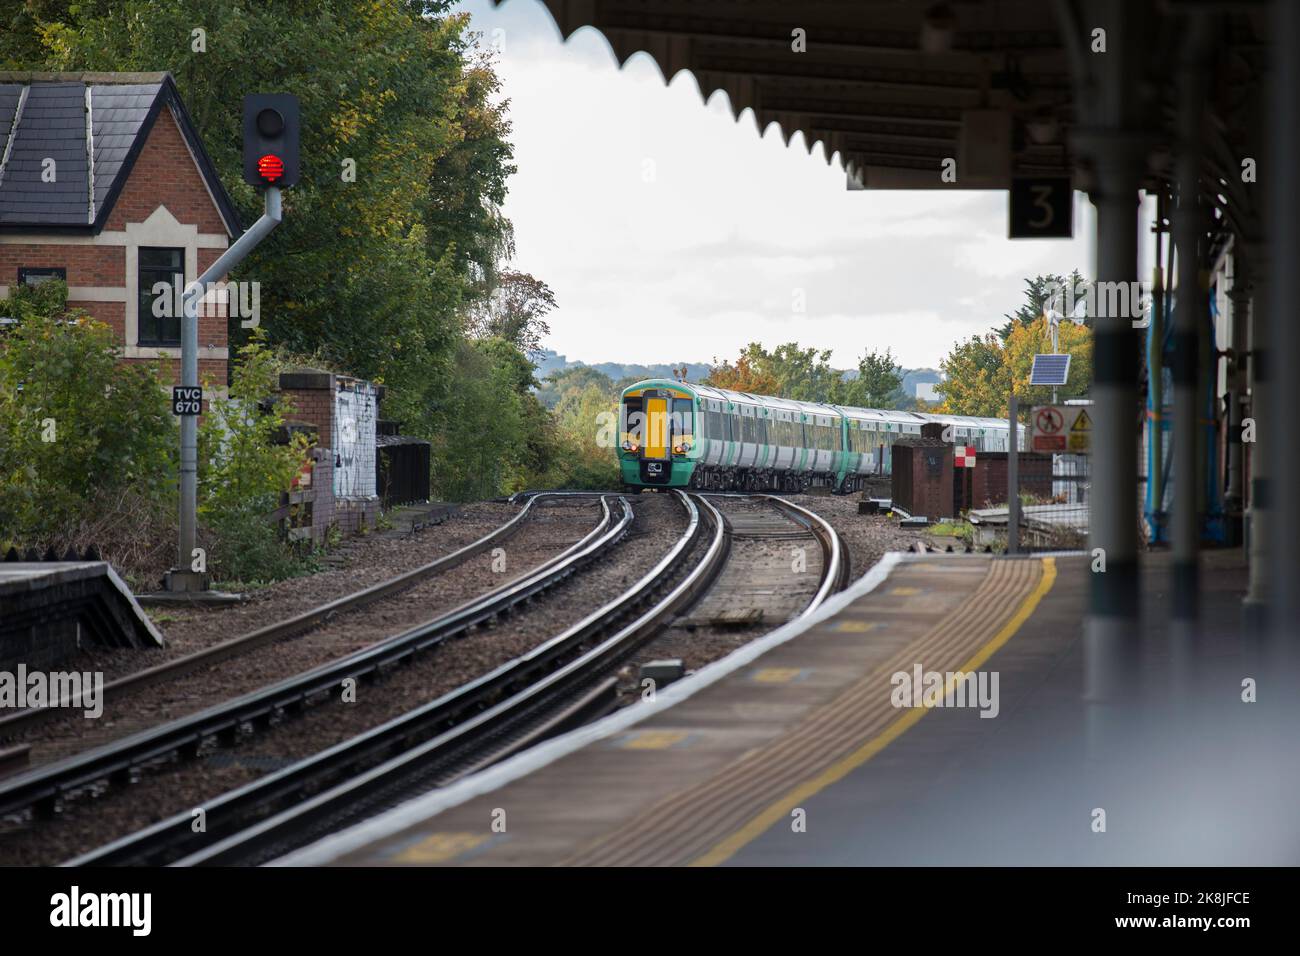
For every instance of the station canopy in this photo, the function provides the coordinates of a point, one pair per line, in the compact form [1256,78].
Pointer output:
[895,88]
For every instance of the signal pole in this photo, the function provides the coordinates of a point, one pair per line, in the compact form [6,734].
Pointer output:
[270,160]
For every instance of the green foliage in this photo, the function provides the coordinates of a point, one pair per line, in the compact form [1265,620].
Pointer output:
[806,375]
[585,458]
[557,384]
[877,384]
[243,472]
[1037,291]
[76,426]
[978,381]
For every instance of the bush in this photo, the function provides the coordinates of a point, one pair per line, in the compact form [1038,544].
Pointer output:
[82,435]
[242,472]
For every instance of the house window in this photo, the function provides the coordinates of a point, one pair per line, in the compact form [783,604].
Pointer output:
[37,276]
[160,325]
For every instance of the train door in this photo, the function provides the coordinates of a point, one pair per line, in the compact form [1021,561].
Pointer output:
[657,419]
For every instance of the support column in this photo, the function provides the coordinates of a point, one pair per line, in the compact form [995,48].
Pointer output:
[1280,366]
[1239,297]
[1191,312]
[1117,162]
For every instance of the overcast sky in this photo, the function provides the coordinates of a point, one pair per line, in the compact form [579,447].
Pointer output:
[671,232]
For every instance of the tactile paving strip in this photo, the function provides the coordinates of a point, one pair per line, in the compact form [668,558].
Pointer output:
[700,825]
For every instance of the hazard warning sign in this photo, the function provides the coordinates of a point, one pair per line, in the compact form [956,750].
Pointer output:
[1080,437]
[1060,429]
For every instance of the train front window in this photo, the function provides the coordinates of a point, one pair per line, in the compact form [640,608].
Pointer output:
[631,422]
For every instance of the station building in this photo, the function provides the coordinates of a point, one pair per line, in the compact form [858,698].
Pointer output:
[105,184]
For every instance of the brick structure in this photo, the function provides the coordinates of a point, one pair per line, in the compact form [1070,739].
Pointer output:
[989,484]
[329,494]
[921,482]
[132,191]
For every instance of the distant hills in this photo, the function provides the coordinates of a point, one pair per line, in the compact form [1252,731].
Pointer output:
[552,361]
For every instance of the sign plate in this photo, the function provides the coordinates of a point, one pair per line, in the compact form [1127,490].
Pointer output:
[187,399]
[1041,207]
[1061,429]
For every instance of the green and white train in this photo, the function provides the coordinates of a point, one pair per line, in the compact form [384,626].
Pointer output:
[679,435]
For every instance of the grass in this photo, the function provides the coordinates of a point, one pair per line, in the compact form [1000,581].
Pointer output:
[956,529]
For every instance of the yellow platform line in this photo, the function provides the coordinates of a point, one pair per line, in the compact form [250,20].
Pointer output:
[780,810]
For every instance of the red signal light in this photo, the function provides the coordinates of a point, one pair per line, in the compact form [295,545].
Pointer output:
[270,167]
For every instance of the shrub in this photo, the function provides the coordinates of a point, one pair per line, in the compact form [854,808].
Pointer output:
[243,472]
[78,428]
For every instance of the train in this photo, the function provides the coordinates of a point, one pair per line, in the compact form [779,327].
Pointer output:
[676,434]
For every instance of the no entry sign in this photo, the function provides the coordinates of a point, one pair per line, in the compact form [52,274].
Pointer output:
[1060,429]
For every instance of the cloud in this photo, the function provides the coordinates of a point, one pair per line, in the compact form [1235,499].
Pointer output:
[672,232]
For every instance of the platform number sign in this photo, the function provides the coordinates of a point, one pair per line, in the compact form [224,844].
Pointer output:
[187,399]
[1041,207]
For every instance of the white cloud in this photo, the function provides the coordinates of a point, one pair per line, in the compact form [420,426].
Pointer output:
[672,232]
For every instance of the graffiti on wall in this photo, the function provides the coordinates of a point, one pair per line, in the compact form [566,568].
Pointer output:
[356,410]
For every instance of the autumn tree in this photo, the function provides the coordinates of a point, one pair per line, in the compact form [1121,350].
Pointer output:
[1033,338]
[750,373]
[977,380]
[1038,291]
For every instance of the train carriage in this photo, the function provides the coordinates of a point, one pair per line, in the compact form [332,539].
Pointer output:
[678,435]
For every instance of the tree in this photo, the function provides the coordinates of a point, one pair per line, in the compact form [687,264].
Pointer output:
[1038,291]
[1028,340]
[750,373]
[515,311]
[787,371]
[560,383]
[978,380]
[878,382]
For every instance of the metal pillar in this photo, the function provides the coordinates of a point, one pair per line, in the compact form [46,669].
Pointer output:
[182,577]
[1191,312]
[1280,365]
[1239,297]
[1013,477]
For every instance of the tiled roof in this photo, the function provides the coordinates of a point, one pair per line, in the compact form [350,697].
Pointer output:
[44,117]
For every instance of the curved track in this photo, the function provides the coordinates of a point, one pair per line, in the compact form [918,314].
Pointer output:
[544,691]
[42,789]
[28,719]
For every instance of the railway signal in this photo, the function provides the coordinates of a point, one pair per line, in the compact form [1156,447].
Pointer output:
[271,139]
[270,161]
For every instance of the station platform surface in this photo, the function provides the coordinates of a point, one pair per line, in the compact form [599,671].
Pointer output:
[800,749]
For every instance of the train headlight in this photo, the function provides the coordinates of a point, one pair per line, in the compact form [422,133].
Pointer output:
[682,448]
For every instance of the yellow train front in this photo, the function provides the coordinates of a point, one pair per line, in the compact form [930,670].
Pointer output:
[657,435]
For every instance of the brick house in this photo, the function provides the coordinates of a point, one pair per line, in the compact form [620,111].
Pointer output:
[105,184]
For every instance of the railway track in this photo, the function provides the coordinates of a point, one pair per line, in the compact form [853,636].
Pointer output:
[28,719]
[557,684]
[41,790]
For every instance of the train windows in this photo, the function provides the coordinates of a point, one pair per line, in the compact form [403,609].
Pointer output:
[631,419]
[683,417]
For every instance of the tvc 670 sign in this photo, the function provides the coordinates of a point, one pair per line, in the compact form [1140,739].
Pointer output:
[187,400]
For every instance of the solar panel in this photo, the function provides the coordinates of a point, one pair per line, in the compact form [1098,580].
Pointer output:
[1050,369]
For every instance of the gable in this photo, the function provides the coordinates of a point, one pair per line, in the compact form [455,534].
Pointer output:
[96,127]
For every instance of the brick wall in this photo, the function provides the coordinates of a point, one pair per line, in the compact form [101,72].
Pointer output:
[165,175]
[990,480]
[311,393]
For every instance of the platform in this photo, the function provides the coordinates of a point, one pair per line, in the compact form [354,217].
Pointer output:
[793,750]
[50,608]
